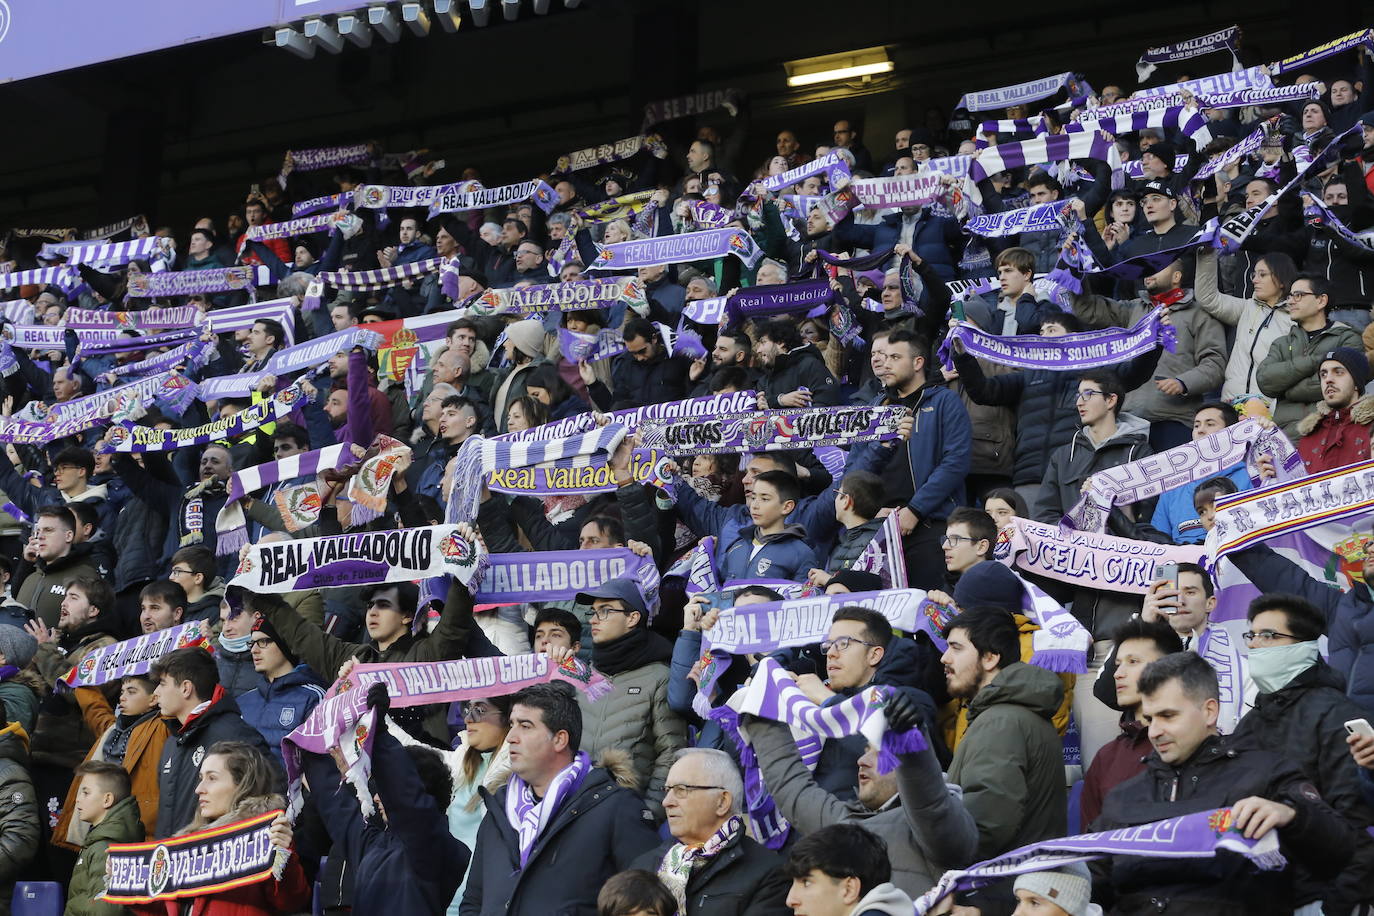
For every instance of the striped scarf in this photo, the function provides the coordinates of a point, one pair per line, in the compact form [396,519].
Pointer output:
[381,278]
[231,526]
[105,254]
[63,277]
[530,818]
[677,865]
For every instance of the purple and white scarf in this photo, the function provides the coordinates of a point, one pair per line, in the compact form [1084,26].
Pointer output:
[1182,465]
[575,451]
[1135,169]
[1087,559]
[676,867]
[1317,213]
[48,337]
[288,360]
[31,432]
[634,417]
[1084,350]
[1191,122]
[607,153]
[528,818]
[200,282]
[381,196]
[1362,38]
[883,555]
[769,430]
[1223,652]
[134,225]
[125,343]
[558,575]
[1252,78]
[898,191]
[1040,218]
[577,347]
[131,438]
[231,526]
[57,235]
[1201,835]
[316,204]
[706,311]
[302,225]
[688,106]
[17,311]
[185,316]
[1020,153]
[1020,93]
[63,277]
[239,317]
[134,656]
[104,254]
[106,405]
[698,567]
[573,295]
[452,200]
[811,296]
[324,157]
[380,278]
[1250,144]
[677,249]
[194,355]
[1221,40]
[946,165]
[835,165]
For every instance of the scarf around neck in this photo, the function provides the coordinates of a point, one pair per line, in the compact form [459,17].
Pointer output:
[530,818]
[635,649]
[676,868]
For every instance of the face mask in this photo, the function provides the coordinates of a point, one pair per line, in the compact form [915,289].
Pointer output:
[234,643]
[1273,667]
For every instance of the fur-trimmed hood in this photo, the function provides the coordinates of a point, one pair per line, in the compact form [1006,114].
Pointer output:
[1362,413]
[620,766]
[248,807]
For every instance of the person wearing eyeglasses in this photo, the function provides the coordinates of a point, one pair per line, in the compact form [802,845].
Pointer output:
[1290,372]
[1300,712]
[636,718]
[711,865]
[1338,432]
[286,692]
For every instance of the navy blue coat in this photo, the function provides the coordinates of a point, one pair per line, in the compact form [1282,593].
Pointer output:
[939,451]
[408,864]
[278,708]
[937,239]
[786,555]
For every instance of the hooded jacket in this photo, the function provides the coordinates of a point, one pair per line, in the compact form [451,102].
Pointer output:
[1257,327]
[407,863]
[121,825]
[598,831]
[635,717]
[184,752]
[1218,775]
[45,587]
[206,607]
[883,900]
[925,825]
[783,555]
[277,708]
[1305,722]
[19,824]
[1198,362]
[269,897]
[1010,762]
[803,367]
[1334,438]
[1068,468]
[1289,371]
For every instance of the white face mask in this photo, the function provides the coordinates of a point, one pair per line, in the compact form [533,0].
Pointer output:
[1273,667]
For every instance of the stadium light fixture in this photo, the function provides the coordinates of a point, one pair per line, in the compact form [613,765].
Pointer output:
[354,27]
[415,18]
[865,63]
[479,11]
[510,9]
[324,35]
[295,42]
[384,23]
[541,7]
[571,4]
[447,15]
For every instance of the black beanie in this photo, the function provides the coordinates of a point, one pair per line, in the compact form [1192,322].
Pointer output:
[264,626]
[989,584]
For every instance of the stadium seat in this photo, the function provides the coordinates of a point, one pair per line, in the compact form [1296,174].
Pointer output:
[37,898]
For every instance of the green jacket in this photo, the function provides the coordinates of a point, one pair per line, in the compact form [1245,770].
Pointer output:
[122,824]
[1010,763]
[1289,372]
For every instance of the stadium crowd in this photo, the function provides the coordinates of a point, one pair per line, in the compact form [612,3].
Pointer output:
[800,535]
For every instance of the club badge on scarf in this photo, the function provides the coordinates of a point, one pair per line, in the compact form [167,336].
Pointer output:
[677,249]
[205,863]
[1245,519]
[363,558]
[127,437]
[135,656]
[368,488]
[769,430]
[572,295]
[1087,559]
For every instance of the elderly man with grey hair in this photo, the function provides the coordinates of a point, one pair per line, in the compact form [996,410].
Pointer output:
[712,867]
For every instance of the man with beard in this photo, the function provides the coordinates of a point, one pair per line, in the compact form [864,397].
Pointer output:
[794,372]
[732,350]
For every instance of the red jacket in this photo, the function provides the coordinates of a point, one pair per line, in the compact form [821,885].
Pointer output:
[1335,438]
[292,894]
[1117,761]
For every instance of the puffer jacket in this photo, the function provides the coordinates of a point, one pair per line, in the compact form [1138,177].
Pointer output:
[19,825]
[784,555]
[1010,762]
[1199,360]
[1305,722]
[635,717]
[1045,406]
[1289,371]
[1099,611]
[1218,775]
[45,587]
[277,708]
[61,738]
[21,694]
[1257,327]
[121,825]
[850,544]
[1334,438]
[925,825]
[803,367]
[236,674]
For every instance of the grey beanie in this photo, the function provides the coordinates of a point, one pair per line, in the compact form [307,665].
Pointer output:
[1068,887]
[17,646]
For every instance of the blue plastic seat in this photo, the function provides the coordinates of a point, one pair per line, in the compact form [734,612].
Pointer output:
[37,898]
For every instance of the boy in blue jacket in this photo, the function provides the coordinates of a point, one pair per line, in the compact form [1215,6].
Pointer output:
[770,548]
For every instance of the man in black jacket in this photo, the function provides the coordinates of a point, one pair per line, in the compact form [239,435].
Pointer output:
[645,373]
[560,827]
[1300,713]
[711,865]
[794,372]
[188,691]
[1193,768]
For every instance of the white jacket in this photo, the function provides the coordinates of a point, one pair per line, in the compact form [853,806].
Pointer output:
[1257,326]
